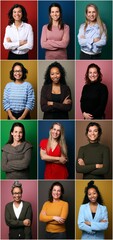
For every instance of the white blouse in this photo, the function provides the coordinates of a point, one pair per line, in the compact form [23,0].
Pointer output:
[23,32]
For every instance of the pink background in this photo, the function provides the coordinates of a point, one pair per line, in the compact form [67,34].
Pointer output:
[29,195]
[31,8]
[106,70]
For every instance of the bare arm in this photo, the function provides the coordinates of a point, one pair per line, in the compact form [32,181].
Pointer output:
[44,156]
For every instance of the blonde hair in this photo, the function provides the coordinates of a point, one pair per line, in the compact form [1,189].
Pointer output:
[98,19]
[61,140]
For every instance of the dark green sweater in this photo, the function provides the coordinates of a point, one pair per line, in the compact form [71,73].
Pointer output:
[92,154]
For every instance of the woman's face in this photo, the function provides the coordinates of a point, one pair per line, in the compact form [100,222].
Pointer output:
[93,74]
[56,193]
[92,195]
[91,14]
[17,72]
[17,194]
[17,14]
[55,13]
[92,134]
[55,131]
[17,134]
[55,75]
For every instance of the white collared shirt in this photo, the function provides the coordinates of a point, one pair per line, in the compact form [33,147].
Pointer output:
[23,32]
[17,210]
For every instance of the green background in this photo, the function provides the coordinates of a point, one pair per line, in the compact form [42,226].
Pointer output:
[105,12]
[30,136]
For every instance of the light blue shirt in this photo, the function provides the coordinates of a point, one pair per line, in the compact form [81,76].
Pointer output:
[87,44]
[96,230]
[18,97]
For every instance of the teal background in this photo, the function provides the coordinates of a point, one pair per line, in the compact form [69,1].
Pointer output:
[105,12]
[30,136]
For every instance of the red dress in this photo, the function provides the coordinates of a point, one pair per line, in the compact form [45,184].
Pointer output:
[53,170]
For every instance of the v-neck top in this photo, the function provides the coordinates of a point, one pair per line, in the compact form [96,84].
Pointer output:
[17,210]
[53,170]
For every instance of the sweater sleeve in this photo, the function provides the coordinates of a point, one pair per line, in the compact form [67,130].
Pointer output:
[82,100]
[103,39]
[45,43]
[56,106]
[30,97]
[86,168]
[106,163]
[65,40]
[65,210]
[5,166]
[6,102]
[12,222]
[103,101]
[43,217]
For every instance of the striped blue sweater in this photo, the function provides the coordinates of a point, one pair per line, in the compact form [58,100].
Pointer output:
[18,97]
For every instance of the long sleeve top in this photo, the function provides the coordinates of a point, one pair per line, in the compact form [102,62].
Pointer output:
[24,32]
[91,32]
[92,154]
[16,160]
[94,99]
[58,208]
[16,227]
[58,110]
[96,230]
[18,97]
[55,42]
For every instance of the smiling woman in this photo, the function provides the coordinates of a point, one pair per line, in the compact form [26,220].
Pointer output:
[18,34]
[18,214]
[55,99]
[16,154]
[55,35]
[94,95]
[54,152]
[54,213]
[18,99]
[94,158]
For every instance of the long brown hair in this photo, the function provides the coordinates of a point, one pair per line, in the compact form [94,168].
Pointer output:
[60,21]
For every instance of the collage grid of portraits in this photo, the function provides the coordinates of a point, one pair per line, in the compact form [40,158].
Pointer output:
[56,119]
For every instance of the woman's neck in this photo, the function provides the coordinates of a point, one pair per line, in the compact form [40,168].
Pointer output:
[17,23]
[15,143]
[55,23]
[18,81]
[17,203]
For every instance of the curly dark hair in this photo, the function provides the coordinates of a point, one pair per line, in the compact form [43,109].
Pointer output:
[10,14]
[51,188]
[16,184]
[91,124]
[93,65]
[91,185]
[61,24]
[24,71]
[16,124]
[62,72]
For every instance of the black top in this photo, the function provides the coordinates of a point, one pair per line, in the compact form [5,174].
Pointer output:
[94,99]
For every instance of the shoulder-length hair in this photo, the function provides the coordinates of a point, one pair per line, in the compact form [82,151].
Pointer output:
[10,14]
[98,19]
[17,124]
[61,140]
[91,124]
[60,22]
[61,70]
[93,65]
[24,71]
[91,185]
[51,188]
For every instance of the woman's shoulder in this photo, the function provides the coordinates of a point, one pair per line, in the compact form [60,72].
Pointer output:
[43,143]
[82,25]
[28,25]
[66,26]
[10,84]
[44,27]
[26,204]
[27,144]
[6,147]
[63,202]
